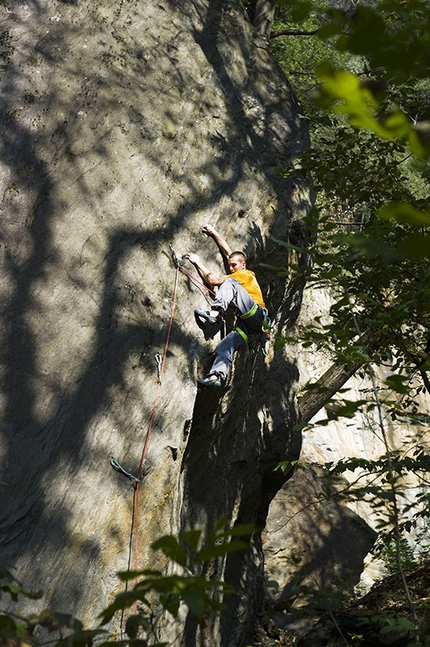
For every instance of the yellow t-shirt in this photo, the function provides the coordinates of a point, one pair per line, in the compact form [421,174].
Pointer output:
[247,279]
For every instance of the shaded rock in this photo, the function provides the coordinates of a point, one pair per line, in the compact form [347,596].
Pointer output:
[313,545]
[126,127]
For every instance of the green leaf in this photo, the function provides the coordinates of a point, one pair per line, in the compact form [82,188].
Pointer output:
[343,92]
[221,524]
[7,627]
[397,383]
[398,624]
[219,550]
[367,246]
[415,246]
[195,601]
[238,530]
[81,638]
[123,601]
[171,548]
[300,11]
[125,576]
[287,466]
[134,623]
[191,537]
[283,243]
[329,30]
[405,213]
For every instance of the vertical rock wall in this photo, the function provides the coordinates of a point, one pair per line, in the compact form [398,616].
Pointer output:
[125,127]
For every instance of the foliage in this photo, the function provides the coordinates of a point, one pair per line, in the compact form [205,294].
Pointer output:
[196,592]
[300,56]
[18,629]
[369,166]
[368,103]
[389,555]
[286,467]
[372,193]
[200,595]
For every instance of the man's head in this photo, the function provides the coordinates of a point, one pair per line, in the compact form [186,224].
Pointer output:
[236,262]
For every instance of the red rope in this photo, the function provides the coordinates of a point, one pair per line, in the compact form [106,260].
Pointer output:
[196,280]
[150,424]
[154,407]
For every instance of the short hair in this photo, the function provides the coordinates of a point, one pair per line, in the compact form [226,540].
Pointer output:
[240,254]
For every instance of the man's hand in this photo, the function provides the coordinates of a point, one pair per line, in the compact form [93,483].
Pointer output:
[208,230]
[224,247]
[193,258]
[207,276]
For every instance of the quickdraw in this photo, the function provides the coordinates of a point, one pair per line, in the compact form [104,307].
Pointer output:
[117,467]
[159,361]
[178,262]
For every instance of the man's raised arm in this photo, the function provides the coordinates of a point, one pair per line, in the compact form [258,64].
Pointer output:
[224,247]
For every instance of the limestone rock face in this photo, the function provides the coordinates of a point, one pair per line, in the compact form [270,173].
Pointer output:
[125,127]
[312,542]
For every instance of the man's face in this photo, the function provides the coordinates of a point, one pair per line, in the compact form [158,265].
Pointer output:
[236,263]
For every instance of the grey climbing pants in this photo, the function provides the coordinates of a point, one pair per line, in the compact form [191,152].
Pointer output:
[231,292]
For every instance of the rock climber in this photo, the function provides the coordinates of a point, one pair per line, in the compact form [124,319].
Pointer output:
[239,289]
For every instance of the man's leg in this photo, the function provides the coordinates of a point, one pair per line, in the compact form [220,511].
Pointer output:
[224,353]
[223,359]
[231,292]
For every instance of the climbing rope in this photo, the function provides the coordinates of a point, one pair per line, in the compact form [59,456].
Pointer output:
[160,371]
[196,280]
[160,362]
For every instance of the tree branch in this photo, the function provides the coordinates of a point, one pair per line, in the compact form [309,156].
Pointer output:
[333,380]
[292,32]
[425,380]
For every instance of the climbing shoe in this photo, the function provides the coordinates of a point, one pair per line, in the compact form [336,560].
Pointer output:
[205,315]
[210,380]
[209,324]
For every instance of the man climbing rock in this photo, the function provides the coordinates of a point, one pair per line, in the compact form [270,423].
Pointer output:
[239,289]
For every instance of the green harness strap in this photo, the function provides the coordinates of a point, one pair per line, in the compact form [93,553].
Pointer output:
[243,334]
[251,312]
[265,325]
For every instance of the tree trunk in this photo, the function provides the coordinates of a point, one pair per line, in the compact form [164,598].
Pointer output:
[263,17]
[333,380]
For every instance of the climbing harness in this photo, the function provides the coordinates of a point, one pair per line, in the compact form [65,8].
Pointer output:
[251,312]
[266,326]
[243,334]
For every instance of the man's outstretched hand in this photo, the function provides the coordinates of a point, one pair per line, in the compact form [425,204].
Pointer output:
[208,230]
[193,258]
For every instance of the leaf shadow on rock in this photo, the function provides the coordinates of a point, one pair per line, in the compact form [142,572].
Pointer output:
[41,451]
